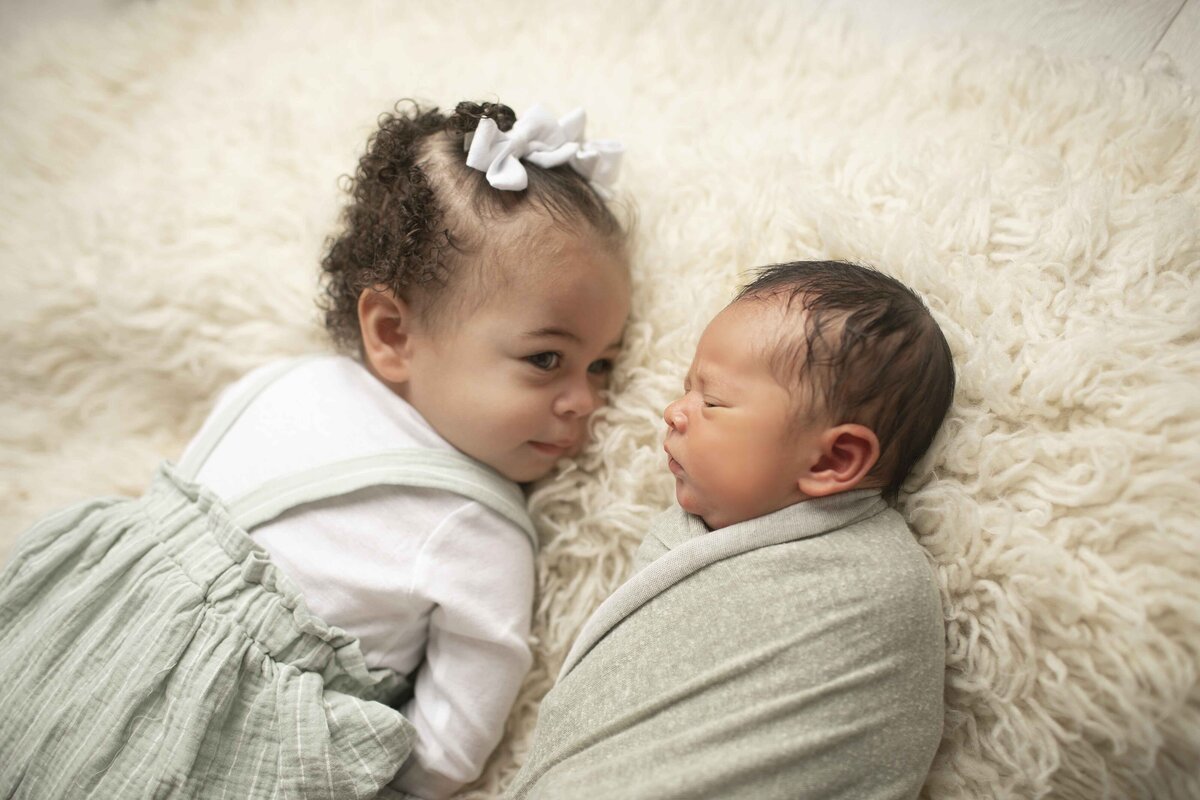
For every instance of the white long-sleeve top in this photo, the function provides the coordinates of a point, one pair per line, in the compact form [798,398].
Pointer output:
[424,578]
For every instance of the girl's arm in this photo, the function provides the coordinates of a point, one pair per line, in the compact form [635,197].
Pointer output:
[477,569]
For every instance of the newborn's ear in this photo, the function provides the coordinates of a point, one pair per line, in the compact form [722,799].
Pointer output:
[848,453]
[386,323]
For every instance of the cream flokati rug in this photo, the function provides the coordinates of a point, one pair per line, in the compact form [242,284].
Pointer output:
[170,176]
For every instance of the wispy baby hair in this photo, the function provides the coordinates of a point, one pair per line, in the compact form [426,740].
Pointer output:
[420,221]
[867,350]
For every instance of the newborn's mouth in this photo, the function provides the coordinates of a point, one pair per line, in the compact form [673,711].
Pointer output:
[673,465]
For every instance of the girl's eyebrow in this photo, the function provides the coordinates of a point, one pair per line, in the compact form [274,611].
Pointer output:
[562,333]
[552,331]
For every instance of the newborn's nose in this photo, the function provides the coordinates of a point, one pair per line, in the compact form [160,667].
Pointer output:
[675,418]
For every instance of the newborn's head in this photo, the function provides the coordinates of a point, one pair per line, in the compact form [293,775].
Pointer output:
[819,378]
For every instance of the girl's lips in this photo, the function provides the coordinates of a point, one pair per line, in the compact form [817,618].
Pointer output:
[548,449]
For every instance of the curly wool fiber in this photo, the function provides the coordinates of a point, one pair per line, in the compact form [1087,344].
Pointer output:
[170,179]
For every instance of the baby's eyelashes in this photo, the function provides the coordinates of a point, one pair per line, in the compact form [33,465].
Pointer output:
[705,400]
[552,359]
[544,361]
[601,367]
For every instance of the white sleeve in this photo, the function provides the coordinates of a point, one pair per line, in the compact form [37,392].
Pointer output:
[477,569]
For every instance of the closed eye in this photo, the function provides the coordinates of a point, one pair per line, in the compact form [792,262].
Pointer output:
[544,361]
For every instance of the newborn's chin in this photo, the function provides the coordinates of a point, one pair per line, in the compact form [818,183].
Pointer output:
[686,499]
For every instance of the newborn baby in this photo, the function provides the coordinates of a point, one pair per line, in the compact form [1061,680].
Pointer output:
[782,634]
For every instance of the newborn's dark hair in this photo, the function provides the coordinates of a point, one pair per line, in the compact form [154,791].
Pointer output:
[870,351]
[415,208]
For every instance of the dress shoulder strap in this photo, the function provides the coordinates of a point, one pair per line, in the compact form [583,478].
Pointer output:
[430,469]
[448,470]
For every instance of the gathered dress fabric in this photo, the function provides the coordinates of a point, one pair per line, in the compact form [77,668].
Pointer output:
[150,648]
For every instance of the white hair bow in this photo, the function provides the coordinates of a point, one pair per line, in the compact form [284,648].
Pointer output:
[537,137]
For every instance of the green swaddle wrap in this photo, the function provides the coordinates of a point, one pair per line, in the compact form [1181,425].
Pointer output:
[797,655]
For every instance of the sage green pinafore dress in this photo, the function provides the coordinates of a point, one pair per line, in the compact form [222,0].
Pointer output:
[148,648]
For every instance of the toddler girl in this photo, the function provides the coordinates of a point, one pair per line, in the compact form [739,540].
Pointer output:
[332,590]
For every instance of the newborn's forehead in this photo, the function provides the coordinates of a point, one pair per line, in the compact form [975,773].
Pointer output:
[740,338]
[767,334]
[760,323]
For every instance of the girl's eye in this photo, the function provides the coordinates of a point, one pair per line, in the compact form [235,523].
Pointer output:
[601,367]
[544,361]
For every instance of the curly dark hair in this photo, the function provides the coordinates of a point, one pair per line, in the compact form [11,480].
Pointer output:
[869,350]
[416,209]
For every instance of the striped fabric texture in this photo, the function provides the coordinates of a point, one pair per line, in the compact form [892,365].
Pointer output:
[149,649]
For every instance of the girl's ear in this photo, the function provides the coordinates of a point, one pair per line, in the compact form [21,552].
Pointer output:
[386,323]
[848,453]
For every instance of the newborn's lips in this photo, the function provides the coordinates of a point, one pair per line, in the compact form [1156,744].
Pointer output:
[672,464]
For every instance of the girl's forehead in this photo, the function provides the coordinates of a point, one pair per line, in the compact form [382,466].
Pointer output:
[563,294]
[563,268]
[541,245]
[516,267]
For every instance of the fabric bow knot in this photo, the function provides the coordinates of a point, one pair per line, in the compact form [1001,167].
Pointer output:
[539,138]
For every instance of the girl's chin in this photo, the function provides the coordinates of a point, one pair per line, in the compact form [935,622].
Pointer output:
[524,472]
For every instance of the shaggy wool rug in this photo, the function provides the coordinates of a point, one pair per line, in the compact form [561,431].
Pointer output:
[171,173]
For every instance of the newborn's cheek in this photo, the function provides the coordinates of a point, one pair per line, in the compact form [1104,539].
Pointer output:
[741,478]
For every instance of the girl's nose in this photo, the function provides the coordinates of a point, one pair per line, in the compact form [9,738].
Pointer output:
[578,400]
[675,417]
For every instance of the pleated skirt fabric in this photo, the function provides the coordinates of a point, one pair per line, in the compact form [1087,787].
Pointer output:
[149,649]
